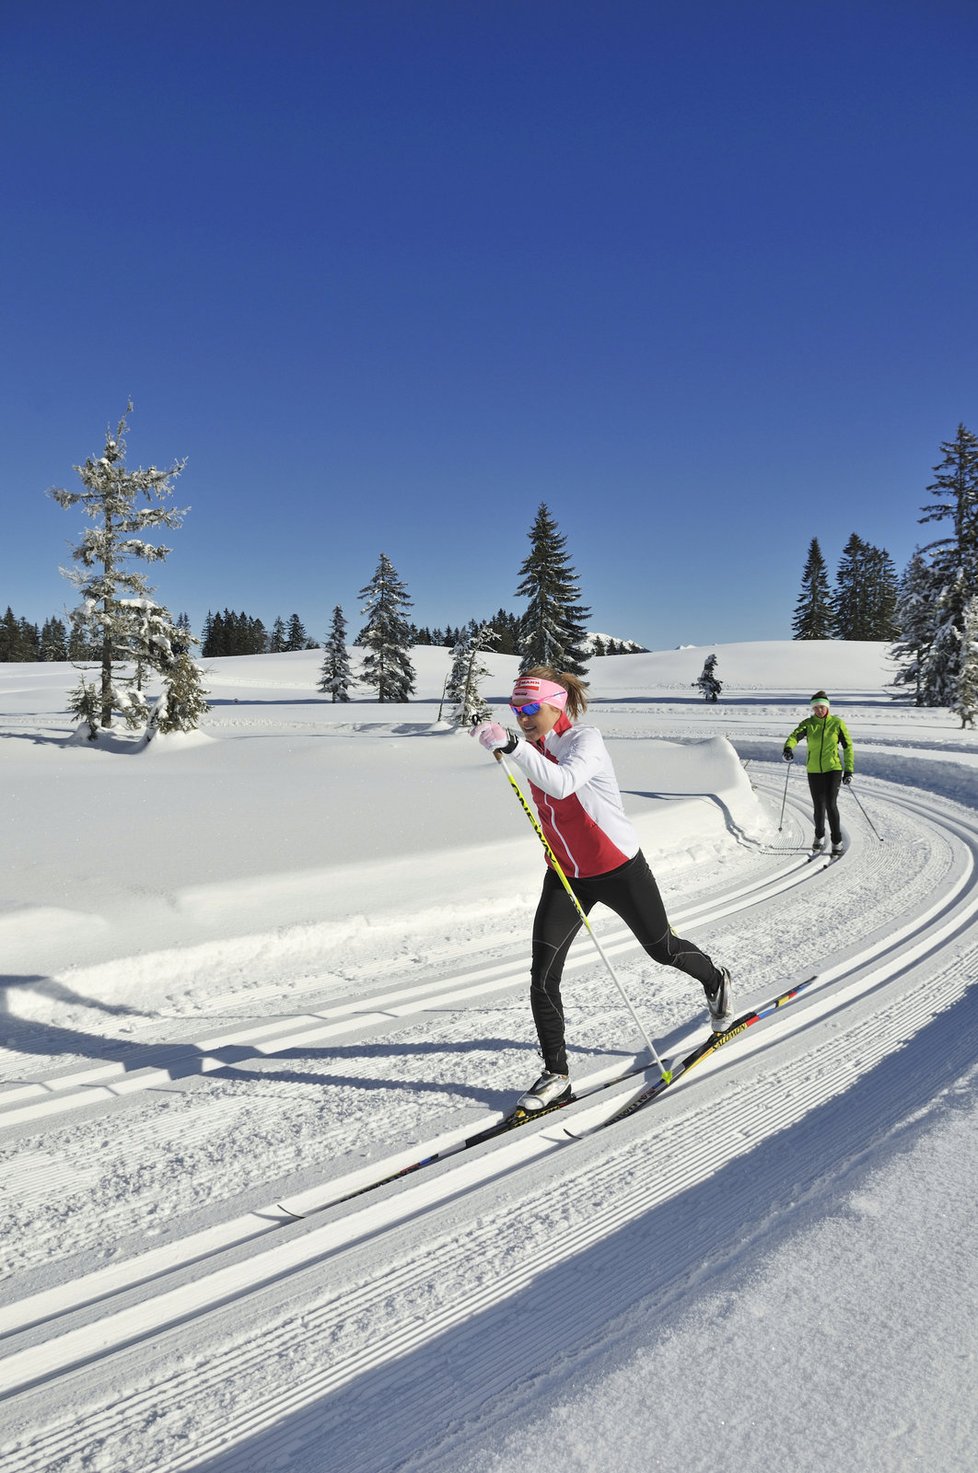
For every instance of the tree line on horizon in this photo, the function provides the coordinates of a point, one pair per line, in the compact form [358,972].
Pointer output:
[930,615]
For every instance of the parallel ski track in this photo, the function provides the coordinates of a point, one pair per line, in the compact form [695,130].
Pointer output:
[37,1101]
[485,1265]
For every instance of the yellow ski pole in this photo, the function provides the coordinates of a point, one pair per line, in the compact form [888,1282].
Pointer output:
[664,1073]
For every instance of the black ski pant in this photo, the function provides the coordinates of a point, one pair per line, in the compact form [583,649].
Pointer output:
[824,788]
[632,893]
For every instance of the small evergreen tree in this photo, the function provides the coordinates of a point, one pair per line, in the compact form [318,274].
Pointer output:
[83,704]
[468,705]
[552,631]
[707,680]
[386,635]
[813,611]
[109,588]
[182,701]
[336,675]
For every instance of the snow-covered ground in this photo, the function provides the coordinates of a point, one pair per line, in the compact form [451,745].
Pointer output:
[277,961]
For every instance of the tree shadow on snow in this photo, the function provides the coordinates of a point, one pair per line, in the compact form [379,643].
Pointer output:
[244,1063]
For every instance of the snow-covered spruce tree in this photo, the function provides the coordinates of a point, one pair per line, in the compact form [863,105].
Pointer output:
[115,597]
[552,630]
[386,635]
[953,559]
[707,680]
[916,618]
[813,611]
[966,701]
[467,704]
[336,675]
[941,664]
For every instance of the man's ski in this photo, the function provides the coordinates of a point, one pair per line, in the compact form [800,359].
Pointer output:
[709,1046]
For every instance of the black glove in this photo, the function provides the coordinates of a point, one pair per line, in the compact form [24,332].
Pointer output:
[788,755]
[513,743]
[847,778]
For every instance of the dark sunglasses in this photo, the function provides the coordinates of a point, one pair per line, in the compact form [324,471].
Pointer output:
[530,709]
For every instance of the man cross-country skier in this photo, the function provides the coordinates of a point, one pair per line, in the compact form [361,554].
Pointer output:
[579,803]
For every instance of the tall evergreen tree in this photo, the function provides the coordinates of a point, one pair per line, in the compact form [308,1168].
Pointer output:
[966,698]
[813,611]
[552,630]
[884,586]
[865,598]
[54,640]
[114,595]
[296,637]
[336,675]
[954,558]
[386,635]
[916,618]
[942,663]
[11,638]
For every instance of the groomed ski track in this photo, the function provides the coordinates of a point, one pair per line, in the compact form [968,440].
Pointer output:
[432,1291]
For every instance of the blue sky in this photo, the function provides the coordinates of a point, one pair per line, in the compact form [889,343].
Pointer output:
[703,277]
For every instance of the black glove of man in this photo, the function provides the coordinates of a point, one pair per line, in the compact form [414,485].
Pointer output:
[847,778]
[788,755]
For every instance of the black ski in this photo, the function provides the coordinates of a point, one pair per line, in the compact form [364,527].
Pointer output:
[518,1117]
[703,1051]
[512,1121]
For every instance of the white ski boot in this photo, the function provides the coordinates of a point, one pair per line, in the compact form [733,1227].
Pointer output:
[549,1089]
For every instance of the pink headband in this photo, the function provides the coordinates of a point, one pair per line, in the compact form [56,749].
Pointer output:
[530,688]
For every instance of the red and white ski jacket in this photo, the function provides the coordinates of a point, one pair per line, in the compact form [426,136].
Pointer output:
[577,797]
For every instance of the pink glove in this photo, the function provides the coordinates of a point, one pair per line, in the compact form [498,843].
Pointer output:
[492,736]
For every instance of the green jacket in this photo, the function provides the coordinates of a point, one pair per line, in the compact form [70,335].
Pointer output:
[824,738]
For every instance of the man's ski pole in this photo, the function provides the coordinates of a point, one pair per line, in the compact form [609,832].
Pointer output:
[866,816]
[665,1073]
[784,798]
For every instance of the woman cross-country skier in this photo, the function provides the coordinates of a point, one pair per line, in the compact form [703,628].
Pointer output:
[579,802]
[824,734]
